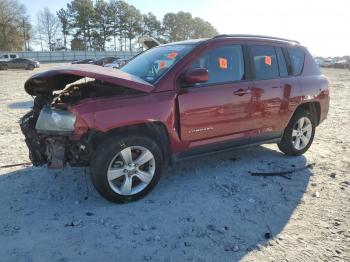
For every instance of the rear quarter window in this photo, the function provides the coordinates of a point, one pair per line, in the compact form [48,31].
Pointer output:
[297,58]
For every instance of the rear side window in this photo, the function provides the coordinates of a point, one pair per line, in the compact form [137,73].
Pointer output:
[264,61]
[297,58]
[282,65]
[12,56]
[224,64]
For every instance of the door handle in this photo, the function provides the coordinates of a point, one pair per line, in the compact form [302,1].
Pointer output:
[241,92]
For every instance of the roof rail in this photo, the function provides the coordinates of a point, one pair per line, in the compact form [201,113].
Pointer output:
[256,36]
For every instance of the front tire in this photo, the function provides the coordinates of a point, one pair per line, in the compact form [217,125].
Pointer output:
[299,134]
[125,168]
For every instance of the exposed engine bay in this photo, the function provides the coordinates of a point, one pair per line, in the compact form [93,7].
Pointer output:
[91,89]
[49,127]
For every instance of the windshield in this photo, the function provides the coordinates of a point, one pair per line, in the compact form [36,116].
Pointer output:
[153,63]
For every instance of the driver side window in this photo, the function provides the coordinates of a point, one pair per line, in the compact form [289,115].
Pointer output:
[224,64]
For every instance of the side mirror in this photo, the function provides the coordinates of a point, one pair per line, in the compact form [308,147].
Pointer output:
[195,76]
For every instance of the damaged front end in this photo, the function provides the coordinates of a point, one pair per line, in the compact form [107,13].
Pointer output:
[49,135]
[54,132]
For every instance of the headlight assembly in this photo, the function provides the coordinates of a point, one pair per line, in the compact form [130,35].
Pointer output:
[53,120]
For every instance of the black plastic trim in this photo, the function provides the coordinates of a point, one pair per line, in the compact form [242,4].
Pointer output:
[273,137]
[248,68]
[255,36]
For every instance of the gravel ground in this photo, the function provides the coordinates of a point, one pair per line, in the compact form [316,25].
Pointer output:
[208,209]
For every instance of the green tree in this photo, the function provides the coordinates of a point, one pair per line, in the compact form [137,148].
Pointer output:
[170,27]
[96,22]
[131,24]
[119,13]
[103,27]
[151,26]
[77,44]
[82,14]
[114,9]
[202,29]
[182,26]
[63,17]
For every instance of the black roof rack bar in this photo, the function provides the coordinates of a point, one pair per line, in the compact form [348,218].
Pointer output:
[255,36]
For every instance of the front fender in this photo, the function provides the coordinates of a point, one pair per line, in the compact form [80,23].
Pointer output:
[111,113]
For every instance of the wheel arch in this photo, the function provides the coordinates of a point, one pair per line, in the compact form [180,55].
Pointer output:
[155,130]
[314,107]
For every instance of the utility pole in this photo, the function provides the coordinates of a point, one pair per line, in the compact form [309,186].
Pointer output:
[24,36]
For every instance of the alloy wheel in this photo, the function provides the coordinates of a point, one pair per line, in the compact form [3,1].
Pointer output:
[131,170]
[301,134]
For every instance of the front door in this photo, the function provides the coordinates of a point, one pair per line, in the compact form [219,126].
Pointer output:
[15,63]
[219,107]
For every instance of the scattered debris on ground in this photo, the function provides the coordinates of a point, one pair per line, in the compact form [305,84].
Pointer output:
[283,173]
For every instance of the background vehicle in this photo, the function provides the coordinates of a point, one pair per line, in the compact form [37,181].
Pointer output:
[117,64]
[341,64]
[173,102]
[327,63]
[105,60]
[8,56]
[19,63]
[84,61]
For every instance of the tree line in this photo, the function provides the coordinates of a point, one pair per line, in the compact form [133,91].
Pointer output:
[15,27]
[94,25]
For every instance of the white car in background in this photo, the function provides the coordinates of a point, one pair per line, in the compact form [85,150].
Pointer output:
[7,57]
[327,63]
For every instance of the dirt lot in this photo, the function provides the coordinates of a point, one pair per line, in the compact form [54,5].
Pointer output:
[209,209]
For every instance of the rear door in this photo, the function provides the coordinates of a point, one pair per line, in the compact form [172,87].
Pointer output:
[219,107]
[271,91]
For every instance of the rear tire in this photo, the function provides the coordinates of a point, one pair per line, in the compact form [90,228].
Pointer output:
[299,134]
[125,168]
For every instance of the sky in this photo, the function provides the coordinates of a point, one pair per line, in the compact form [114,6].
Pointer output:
[320,25]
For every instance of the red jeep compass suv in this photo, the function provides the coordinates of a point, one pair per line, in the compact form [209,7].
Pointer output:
[172,102]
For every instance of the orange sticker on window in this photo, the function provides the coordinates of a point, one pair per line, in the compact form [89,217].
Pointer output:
[268,60]
[161,64]
[223,63]
[172,55]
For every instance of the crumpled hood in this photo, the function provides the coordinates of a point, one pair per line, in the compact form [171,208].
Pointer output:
[58,78]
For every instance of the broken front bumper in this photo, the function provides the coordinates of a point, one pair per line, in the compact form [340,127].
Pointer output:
[52,148]
[35,145]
